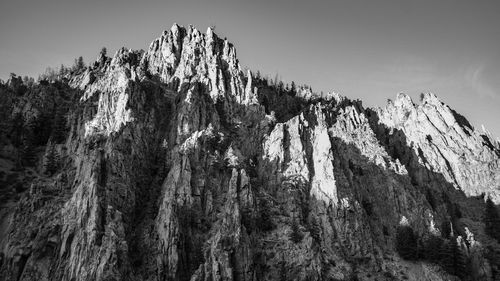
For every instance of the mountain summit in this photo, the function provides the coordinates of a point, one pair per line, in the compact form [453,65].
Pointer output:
[175,164]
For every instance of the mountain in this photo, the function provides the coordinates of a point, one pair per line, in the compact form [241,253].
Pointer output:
[175,164]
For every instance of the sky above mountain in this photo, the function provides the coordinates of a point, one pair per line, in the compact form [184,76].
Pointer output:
[369,50]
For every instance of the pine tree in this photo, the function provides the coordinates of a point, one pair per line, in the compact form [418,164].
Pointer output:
[280,87]
[79,65]
[59,125]
[265,81]
[491,220]
[16,130]
[315,230]
[264,220]
[296,235]
[432,248]
[104,51]
[459,261]
[62,71]
[293,89]
[453,259]
[446,256]
[276,79]
[28,81]
[103,56]
[493,255]
[28,149]
[51,161]
[406,242]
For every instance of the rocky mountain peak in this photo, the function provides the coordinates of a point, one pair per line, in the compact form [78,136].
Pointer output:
[404,101]
[449,144]
[185,55]
[430,98]
[174,164]
[426,99]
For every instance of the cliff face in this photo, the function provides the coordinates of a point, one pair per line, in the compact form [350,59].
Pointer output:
[177,165]
[450,146]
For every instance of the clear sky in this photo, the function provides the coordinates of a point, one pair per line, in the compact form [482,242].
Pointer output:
[363,49]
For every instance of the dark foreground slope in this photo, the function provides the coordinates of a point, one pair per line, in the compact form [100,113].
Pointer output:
[173,164]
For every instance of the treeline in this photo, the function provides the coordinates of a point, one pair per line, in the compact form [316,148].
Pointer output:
[52,74]
[445,250]
[17,84]
[278,84]
[491,219]
[28,132]
[282,99]
[28,135]
[21,84]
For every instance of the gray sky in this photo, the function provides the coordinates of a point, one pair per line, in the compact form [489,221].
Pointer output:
[363,49]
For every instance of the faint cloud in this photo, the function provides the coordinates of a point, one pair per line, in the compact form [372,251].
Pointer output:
[405,72]
[474,78]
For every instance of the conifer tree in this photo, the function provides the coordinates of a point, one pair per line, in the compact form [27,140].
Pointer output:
[104,51]
[315,230]
[432,248]
[264,81]
[28,149]
[59,125]
[102,56]
[62,71]
[296,235]
[453,259]
[293,89]
[459,261]
[492,253]
[276,79]
[280,87]
[446,256]
[406,242]
[79,65]
[264,221]
[16,130]
[491,220]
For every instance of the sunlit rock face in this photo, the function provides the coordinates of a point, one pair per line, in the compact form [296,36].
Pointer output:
[178,165]
[186,55]
[449,145]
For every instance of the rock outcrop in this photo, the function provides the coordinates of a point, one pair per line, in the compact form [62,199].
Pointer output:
[177,165]
[446,143]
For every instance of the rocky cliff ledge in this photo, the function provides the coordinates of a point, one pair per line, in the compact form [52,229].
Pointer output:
[175,164]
